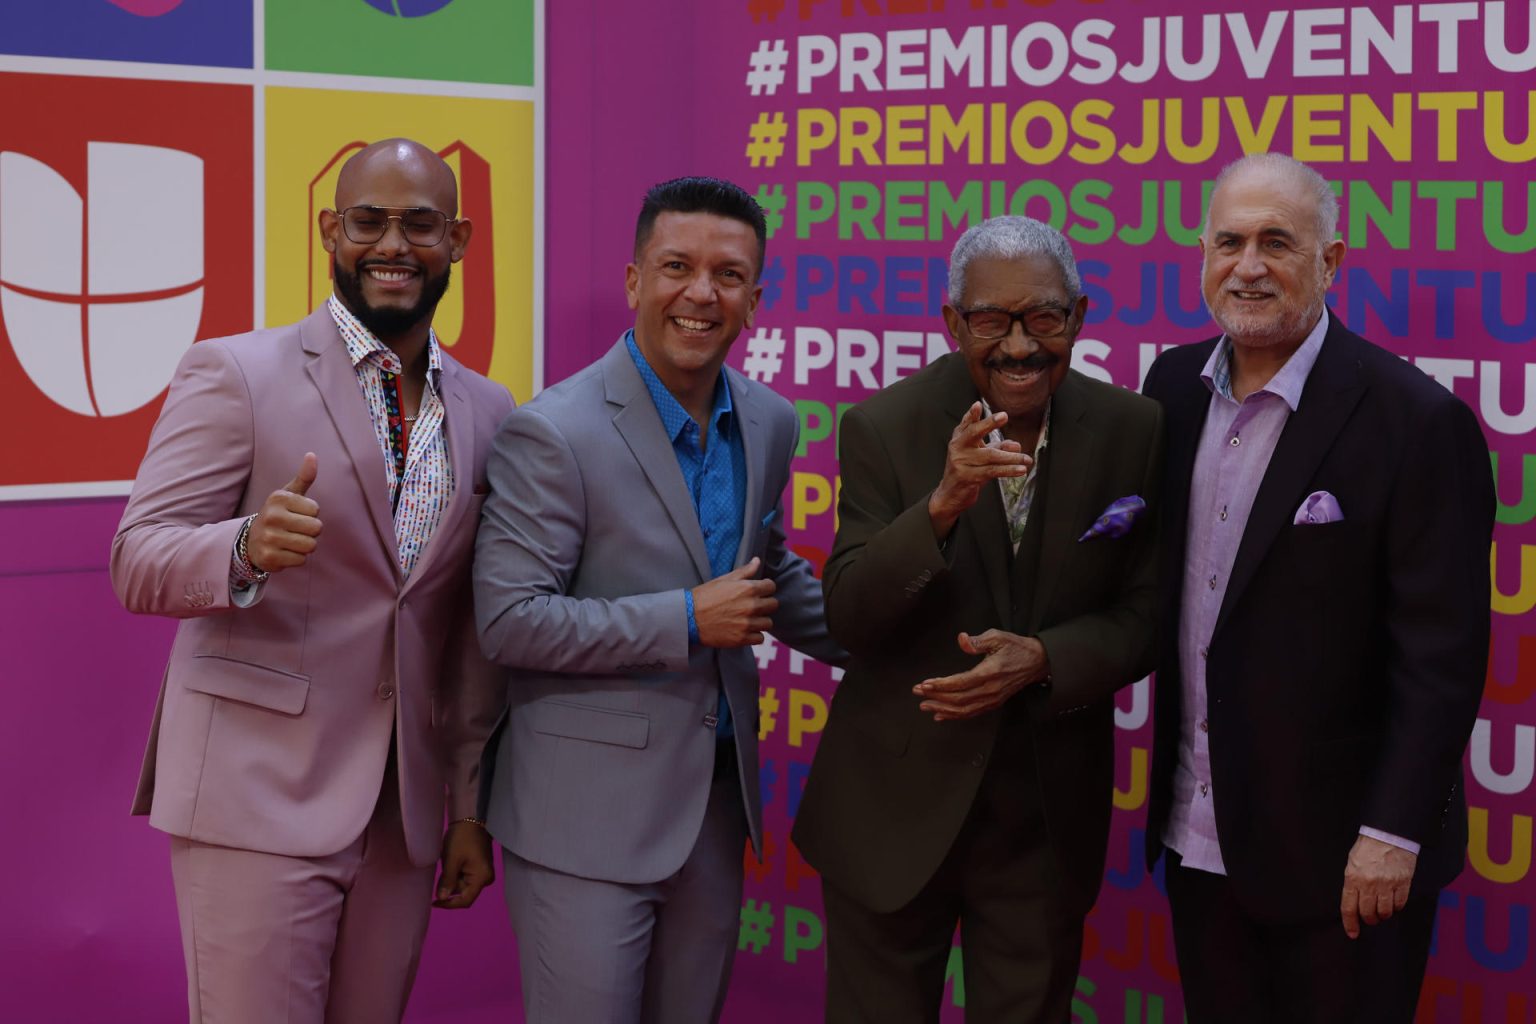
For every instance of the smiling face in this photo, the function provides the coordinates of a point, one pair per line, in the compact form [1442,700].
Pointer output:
[1016,374]
[693,288]
[1265,270]
[391,285]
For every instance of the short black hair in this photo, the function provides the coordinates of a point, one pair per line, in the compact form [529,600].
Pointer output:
[699,194]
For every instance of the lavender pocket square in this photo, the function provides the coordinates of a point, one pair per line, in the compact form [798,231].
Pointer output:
[1116,520]
[1320,507]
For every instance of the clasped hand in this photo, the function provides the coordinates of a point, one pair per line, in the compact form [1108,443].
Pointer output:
[1009,663]
[735,610]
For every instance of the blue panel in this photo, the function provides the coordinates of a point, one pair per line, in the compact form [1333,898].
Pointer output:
[207,32]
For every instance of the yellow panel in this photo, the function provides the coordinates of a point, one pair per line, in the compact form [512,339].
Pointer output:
[486,318]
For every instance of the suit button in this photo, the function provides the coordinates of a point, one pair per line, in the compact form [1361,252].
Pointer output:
[386,691]
[978,760]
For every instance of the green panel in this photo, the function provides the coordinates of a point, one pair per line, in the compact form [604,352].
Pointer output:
[488,41]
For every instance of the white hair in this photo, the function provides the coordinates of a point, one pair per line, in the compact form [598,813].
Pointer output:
[1289,169]
[1012,238]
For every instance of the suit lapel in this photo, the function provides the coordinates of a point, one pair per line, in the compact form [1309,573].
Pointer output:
[1333,389]
[749,420]
[1072,452]
[984,521]
[336,380]
[639,424]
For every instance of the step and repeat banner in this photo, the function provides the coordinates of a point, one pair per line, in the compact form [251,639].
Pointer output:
[162,163]
[875,131]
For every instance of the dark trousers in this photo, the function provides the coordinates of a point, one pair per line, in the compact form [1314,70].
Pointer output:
[1239,970]
[1020,946]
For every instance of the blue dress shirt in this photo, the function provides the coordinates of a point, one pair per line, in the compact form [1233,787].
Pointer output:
[716,477]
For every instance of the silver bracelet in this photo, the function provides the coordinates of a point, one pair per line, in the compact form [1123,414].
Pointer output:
[245,572]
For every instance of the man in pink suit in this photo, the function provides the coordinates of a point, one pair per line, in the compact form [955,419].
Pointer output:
[325,688]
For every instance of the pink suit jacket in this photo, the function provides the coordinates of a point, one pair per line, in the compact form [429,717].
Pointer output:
[273,726]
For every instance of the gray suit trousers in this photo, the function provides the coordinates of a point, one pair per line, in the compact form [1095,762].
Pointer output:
[598,952]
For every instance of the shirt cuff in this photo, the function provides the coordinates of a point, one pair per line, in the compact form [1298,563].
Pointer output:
[1391,840]
[693,623]
[242,592]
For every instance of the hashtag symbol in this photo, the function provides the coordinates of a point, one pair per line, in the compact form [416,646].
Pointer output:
[765,356]
[773,283]
[766,651]
[767,710]
[767,143]
[767,71]
[754,870]
[771,199]
[756,926]
[758,8]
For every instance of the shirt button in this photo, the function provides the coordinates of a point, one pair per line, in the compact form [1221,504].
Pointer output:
[711,720]
[1204,789]
[1223,513]
[1235,442]
[1205,726]
[1213,582]
[1205,652]
[386,691]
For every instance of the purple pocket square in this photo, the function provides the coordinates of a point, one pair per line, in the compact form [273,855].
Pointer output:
[1320,507]
[1116,520]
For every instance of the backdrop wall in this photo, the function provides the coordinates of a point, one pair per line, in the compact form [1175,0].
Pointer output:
[874,131]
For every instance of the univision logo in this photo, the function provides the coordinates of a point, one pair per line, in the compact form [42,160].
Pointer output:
[147,8]
[101,297]
[408,8]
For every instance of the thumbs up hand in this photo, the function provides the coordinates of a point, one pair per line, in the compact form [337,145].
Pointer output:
[287,528]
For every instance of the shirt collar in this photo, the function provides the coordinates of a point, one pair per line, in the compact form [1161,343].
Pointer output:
[1287,384]
[674,418]
[362,343]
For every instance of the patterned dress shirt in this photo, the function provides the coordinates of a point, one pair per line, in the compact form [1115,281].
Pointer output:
[421,495]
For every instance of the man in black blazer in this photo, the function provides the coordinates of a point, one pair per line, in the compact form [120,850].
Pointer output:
[993,579]
[1324,635]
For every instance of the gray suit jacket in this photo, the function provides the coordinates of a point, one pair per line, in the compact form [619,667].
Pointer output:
[602,764]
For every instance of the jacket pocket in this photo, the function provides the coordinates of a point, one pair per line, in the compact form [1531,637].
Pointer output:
[270,688]
[584,722]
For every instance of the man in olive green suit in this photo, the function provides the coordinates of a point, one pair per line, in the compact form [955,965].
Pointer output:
[993,580]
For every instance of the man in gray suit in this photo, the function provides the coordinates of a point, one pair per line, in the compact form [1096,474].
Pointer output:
[631,552]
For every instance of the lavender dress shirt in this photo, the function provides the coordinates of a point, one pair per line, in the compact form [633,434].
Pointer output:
[1234,451]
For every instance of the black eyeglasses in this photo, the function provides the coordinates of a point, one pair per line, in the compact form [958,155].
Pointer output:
[367,224]
[995,324]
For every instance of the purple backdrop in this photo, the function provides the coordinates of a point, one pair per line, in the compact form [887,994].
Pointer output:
[90,930]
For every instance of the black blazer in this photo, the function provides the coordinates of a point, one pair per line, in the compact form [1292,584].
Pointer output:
[1348,660]
[890,788]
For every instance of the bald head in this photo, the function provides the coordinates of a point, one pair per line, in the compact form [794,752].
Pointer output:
[396,163]
[393,238]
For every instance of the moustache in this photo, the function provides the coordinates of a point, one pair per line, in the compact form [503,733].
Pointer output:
[1034,361]
[1232,284]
